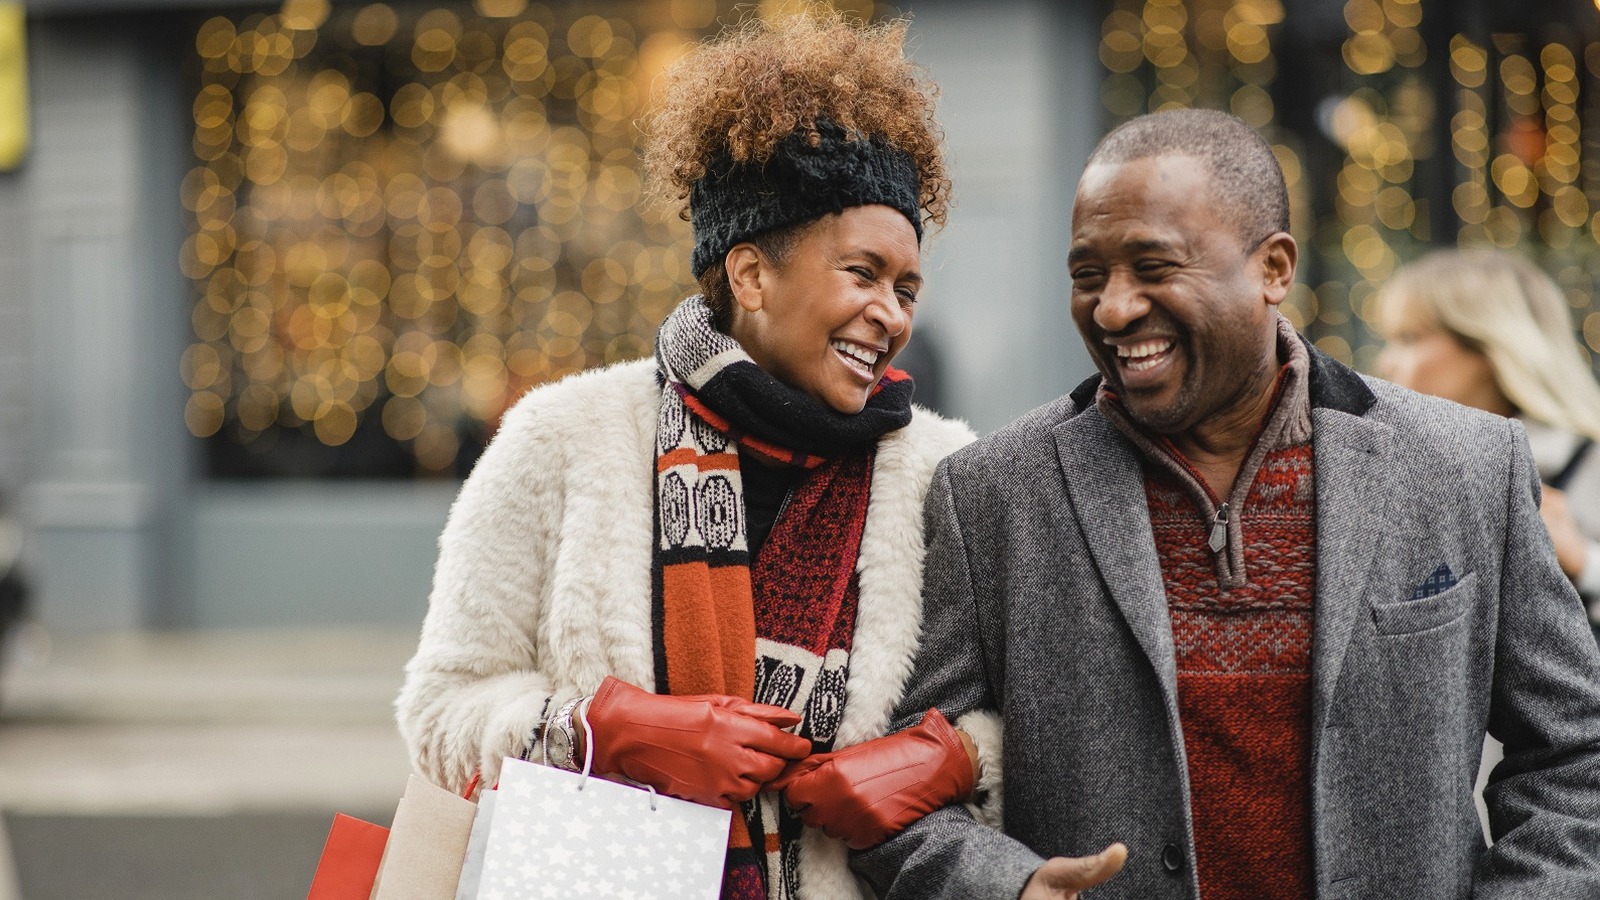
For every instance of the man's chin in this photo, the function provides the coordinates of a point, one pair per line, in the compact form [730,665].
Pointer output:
[1160,418]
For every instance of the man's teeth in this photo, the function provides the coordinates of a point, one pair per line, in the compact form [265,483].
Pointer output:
[1136,356]
[867,358]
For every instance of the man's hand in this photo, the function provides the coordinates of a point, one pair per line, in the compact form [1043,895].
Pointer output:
[1066,877]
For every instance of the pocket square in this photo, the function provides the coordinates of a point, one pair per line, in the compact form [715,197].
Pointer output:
[1440,581]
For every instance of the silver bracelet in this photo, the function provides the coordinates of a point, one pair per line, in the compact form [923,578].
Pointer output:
[536,733]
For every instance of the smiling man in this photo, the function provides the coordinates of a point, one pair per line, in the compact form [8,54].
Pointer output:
[1239,608]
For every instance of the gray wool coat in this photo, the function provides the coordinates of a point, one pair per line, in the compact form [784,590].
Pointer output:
[1044,600]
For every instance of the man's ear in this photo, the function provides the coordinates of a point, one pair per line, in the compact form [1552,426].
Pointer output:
[1279,255]
[745,266]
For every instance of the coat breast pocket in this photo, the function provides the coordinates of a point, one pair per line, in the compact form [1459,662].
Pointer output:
[1416,616]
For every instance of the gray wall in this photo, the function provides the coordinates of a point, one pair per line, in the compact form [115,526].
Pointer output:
[94,315]
[15,324]
[1021,111]
[314,554]
[99,326]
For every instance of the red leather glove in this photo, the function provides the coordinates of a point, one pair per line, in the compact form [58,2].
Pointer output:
[709,748]
[865,794]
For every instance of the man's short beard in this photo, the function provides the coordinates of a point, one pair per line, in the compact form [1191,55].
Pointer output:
[1171,419]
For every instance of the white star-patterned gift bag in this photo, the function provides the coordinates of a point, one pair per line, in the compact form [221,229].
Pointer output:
[557,834]
[477,843]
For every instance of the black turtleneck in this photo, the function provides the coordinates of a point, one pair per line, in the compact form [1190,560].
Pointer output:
[765,490]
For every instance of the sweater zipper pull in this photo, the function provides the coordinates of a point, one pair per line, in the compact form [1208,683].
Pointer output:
[1219,530]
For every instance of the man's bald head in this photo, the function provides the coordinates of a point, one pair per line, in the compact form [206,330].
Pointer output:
[1245,175]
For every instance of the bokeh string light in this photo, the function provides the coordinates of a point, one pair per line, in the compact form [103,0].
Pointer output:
[404,216]
[1382,126]
[1529,180]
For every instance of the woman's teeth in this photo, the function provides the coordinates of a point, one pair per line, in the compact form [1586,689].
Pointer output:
[856,355]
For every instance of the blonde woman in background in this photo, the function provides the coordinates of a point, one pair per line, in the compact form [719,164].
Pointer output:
[1491,330]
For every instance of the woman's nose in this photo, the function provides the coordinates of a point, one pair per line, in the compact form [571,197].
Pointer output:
[887,312]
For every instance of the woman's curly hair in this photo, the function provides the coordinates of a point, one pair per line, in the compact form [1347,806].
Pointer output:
[742,93]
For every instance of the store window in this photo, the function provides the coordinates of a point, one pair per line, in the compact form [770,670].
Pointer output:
[404,216]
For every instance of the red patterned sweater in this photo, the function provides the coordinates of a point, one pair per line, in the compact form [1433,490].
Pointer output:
[1241,626]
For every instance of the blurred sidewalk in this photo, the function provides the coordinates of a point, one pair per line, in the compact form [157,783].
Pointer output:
[124,744]
[191,766]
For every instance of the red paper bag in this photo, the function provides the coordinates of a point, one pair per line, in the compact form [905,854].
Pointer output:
[350,860]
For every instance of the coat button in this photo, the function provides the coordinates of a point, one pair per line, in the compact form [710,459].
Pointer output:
[1172,858]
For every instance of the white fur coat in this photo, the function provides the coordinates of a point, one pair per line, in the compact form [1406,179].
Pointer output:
[543,584]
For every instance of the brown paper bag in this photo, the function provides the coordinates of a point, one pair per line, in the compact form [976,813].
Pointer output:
[427,843]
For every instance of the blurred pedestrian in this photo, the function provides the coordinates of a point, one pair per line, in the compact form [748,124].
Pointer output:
[13,584]
[1489,329]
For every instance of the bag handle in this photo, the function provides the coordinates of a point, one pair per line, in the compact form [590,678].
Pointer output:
[588,742]
[588,755]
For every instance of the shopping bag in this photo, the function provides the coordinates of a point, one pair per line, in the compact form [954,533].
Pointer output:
[557,834]
[477,843]
[350,859]
[427,843]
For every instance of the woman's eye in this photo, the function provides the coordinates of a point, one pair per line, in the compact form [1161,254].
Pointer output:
[907,295]
[1086,277]
[861,272]
[1153,266]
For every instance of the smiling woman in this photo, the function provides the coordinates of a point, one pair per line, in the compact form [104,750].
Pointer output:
[705,554]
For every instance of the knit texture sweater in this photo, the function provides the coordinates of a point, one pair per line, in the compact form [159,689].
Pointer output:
[1240,578]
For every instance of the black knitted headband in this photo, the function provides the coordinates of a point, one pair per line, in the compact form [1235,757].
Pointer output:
[734,203]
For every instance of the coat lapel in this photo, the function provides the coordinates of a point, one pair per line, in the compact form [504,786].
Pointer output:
[1106,486]
[1351,454]
[1352,459]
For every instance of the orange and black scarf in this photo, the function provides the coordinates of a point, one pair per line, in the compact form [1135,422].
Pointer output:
[776,629]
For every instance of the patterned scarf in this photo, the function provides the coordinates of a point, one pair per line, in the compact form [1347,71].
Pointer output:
[777,629]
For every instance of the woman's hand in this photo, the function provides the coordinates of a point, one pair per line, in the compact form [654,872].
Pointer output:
[1572,548]
[709,748]
[864,794]
[1066,877]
